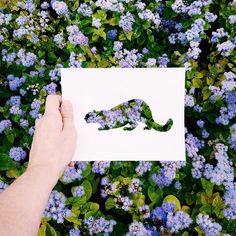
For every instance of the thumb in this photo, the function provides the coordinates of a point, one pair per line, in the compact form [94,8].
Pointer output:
[67,114]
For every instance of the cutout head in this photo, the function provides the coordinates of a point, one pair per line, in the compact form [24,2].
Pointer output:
[89,117]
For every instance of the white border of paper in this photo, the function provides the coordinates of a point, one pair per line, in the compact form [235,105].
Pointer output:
[103,88]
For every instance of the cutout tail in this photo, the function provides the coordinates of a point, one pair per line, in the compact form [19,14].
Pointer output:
[163,128]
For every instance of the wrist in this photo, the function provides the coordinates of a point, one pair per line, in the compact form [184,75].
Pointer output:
[46,173]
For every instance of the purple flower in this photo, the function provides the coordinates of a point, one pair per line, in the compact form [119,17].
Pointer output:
[126,22]
[210,17]
[144,210]
[123,202]
[79,191]
[56,208]
[112,34]
[100,167]
[14,101]
[85,9]
[137,229]
[60,8]
[160,213]
[50,88]
[225,48]
[5,124]
[15,82]
[17,153]
[200,123]
[177,221]
[143,167]
[3,186]
[208,225]
[74,232]
[99,225]
[24,123]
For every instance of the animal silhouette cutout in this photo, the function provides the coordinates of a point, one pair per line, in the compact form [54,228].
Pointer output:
[127,115]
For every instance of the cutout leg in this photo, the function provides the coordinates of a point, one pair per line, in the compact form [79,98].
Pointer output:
[101,128]
[131,127]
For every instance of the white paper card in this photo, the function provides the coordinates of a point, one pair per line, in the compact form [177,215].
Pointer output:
[99,89]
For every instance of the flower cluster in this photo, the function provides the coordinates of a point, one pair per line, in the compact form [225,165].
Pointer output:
[56,208]
[17,153]
[78,191]
[4,125]
[167,173]
[123,203]
[72,173]
[208,225]
[143,167]
[3,186]
[99,225]
[100,166]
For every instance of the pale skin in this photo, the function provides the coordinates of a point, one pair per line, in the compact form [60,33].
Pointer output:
[54,141]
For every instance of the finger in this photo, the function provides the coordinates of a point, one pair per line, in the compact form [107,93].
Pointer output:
[52,104]
[67,114]
[71,164]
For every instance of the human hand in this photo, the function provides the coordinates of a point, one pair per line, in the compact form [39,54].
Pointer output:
[54,140]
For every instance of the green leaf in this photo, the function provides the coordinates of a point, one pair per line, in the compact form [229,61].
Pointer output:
[6,162]
[52,57]
[217,201]
[101,14]
[155,196]
[141,39]
[50,231]
[3,4]
[197,83]
[75,6]
[173,199]
[100,32]
[42,230]
[206,208]
[207,186]
[146,24]
[92,206]
[150,35]
[189,198]
[87,171]
[88,214]
[199,231]
[185,233]
[113,21]
[122,37]
[129,35]
[140,199]
[74,217]
[109,204]
[206,93]
[103,64]
[41,53]
[87,188]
